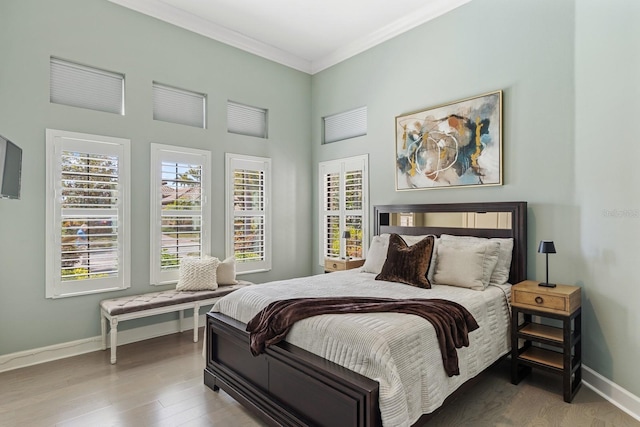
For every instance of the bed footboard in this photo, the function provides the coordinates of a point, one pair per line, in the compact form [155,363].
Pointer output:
[286,386]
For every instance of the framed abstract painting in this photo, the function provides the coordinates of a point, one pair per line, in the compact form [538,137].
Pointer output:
[452,145]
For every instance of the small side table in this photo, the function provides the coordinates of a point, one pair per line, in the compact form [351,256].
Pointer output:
[338,264]
[562,303]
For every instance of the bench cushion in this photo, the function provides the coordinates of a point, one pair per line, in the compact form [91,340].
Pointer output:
[132,303]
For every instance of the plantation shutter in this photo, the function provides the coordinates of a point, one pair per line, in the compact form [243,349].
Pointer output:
[87,206]
[343,207]
[348,124]
[332,214]
[179,203]
[248,207]
[353,202]
[179,106]
[86,87]
[246,120]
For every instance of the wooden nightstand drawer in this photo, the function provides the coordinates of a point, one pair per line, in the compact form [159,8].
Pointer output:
[539,301]
[562,299]
[331,264]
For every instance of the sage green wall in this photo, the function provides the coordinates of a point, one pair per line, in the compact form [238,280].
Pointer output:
[480,47]
[607,176]
[105,35]
[569,71]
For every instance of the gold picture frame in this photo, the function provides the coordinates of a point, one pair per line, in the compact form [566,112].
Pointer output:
[458,144]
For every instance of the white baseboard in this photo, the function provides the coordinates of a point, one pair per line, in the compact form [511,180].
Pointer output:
[22,359]
[609,390]
[612,392]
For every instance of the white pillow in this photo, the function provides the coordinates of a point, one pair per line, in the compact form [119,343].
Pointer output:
[500,274]
[226,273]
[198,274]
[467,266]
[377,254]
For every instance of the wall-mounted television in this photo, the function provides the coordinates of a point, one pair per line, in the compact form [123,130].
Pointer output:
[10,169]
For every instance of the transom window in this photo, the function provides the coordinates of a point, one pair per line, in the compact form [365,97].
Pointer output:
[85,87]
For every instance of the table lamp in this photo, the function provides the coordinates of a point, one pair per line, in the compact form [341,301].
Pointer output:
[547,247]
[346,235]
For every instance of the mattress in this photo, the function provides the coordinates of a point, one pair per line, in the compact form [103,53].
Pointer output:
[399,351]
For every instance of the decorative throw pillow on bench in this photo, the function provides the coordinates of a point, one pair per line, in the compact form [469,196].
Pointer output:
[206,273]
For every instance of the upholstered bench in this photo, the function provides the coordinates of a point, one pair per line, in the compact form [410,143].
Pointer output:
[137,306]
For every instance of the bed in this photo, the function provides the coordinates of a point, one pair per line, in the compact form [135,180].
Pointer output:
[314,378]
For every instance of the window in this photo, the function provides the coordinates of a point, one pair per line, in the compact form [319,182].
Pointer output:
[86,87]
[348,124]
[248,218]
[246,120]
[180,208]
[406,219]
[87,208]
[179,106]
[344,206]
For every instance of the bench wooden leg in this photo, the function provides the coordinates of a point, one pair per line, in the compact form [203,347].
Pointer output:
[196,314]
[114,338]
[181,321]
[103,330]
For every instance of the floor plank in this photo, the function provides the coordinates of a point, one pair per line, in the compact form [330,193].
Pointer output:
[159,382]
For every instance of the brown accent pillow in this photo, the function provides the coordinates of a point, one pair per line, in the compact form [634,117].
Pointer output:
[407,264]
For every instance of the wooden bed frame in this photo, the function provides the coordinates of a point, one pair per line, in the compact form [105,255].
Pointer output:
[289,386]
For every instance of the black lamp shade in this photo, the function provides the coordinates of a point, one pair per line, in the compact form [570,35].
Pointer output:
[546,247]
[346,234]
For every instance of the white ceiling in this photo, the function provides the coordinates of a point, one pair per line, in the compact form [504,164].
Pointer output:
[306,35]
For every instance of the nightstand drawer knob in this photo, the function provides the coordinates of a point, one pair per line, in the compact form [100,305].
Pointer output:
[539,300]
[335,265]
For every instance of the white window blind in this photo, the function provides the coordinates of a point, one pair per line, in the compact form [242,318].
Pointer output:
[354,212]
[332,214]
[348,124]
[344,186]
[86,87]
[87,213]
[246,120]
[248,212]
[180,215]
[179,106]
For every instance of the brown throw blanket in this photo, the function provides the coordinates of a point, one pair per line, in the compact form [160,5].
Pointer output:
[451,321]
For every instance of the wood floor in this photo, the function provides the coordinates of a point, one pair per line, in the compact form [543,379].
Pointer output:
[159,382]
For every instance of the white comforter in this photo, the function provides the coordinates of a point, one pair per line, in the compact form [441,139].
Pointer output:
[400,351]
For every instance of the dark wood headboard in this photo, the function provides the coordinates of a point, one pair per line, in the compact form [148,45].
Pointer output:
[518,229]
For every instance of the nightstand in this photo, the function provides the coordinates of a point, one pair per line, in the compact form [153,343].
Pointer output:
[337,264]
[560,347]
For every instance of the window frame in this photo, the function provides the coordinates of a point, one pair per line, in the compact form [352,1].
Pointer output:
[176,154]
[232,163]
[341,167]
[172,108]
[345,125]
[243,119]
[86,89]
[56,142]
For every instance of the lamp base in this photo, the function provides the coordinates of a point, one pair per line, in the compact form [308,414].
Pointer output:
[547,285]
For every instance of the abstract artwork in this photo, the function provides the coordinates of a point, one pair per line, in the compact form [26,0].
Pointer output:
[453,145]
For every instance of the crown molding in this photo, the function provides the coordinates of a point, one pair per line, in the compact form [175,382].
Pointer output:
[168,13]
[196,24]
[402,25]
